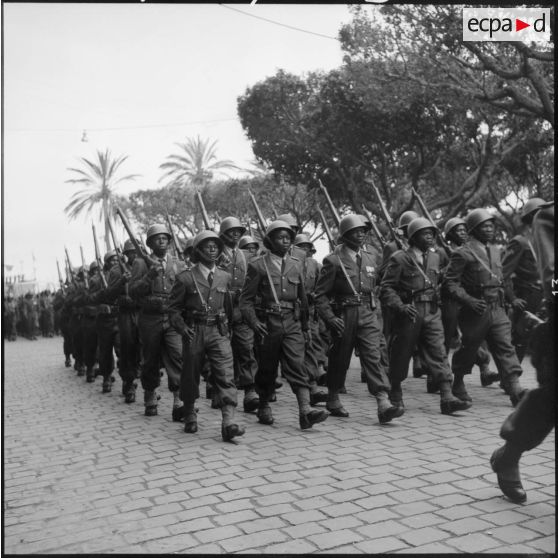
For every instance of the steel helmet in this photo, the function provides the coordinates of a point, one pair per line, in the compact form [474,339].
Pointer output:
[406,218]
[207,235]
[419,224]
[289,219]
[229,223]
[350,222]
[477,216]
[246,240]
[452,223]
[157,229]
[129,246]
[530,207]
[275,226]
[302,238]
[109,255]
[94,265]
[189,244]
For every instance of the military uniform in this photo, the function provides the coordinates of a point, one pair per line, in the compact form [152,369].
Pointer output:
[160,342]
[46,319]
[233,261]
[345,289]
[64,315]
[10,319]
[521,278]
[475,272]
[285,342]
[127,324]
[89,327]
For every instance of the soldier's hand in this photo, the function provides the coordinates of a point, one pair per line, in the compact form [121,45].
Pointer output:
[519,304]
[260,329]
[338,326]
[410,312]
[478,306]
[188,333]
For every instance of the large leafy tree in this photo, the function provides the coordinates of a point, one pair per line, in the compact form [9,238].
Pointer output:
[98,180]
[195,164]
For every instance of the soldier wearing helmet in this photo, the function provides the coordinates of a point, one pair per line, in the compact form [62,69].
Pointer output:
[280,322]
[347,304]
[188,247]
[474,278]
[233,261]
[120,317]
[522,282]
[455,232]
[200,311]
[314,352]
[150,285]
[410,289]
[249,246]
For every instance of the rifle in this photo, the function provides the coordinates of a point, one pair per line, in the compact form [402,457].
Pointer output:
[375,228]
[179,253]
[205,216]
[141,250]
[332,208]
[327,230]
[386,215]
[259,216]
[59,275]
[426,213]
[70,268]
[98,258]
[85,278]
[274,212]
[116,247]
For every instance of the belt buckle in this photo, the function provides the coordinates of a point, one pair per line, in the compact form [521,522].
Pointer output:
[358,298]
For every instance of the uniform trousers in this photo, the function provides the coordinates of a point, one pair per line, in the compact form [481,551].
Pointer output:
[285,344]
[89,336]
[129,347]
[160,342]
[363,331]
[208,345]
[426,332]
[76,331]
[242,343]
[109,341]
[494,327]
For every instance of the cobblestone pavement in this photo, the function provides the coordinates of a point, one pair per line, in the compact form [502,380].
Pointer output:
[86,473]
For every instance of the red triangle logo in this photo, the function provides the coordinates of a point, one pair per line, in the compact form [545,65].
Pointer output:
[519,25]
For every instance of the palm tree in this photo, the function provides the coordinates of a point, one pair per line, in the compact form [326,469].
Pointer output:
[196,163]
[99,180]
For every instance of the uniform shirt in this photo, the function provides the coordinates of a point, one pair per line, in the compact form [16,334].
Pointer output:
[288,285]
[233,261]
[519,265]
[468,279]
[406,276]
[187,294]
[332,281]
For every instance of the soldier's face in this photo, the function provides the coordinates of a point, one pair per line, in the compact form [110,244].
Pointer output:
[280,242]
[252,249]
[159,244]
[130,256]
[112,261]
[424,239]
[485,231]
[208,252]
[307,248]
[355,237]
[232,236]
[459,234]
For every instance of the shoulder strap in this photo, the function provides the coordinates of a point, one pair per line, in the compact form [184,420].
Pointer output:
[347,276]
[271,285]
[483,263]
[427,281]
[204,303]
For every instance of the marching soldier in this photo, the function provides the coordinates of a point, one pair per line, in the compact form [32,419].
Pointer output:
[46,317]
[410,290]
[127,317]
[151,287]
[30,316]
[523,284]
[346,302]
[64,316]
[10,317]
[89,322]
[232,260]
[533,419]
[249,246]
[75,308]
[474,278]
[280,322]
[199,309]
[455,232]
[314,352]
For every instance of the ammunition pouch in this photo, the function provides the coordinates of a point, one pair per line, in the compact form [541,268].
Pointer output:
[363,299]
[207,319]
[285,307]
[494,298]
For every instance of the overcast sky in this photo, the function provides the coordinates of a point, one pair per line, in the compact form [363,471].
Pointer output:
[137,78]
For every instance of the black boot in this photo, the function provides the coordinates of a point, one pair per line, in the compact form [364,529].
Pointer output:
[505,463]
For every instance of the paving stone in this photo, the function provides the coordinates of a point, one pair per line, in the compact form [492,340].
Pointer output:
[255,540]
[473,543]
[510,534]
[333,539]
